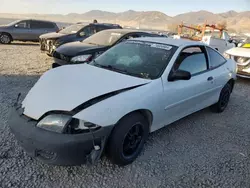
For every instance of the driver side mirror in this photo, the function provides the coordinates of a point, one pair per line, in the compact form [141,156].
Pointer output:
[82,33]
[179,75]
[16,26]
[230,40]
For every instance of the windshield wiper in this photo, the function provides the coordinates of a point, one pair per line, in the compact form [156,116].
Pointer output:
[123,71]
[110,67]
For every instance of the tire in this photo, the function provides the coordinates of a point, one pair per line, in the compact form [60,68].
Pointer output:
[5,38]
[221,105]
[124,144]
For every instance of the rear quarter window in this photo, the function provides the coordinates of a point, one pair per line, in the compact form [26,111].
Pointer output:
[215,58]
[48,25]
[42,25]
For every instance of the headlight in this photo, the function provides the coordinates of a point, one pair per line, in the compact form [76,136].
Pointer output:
[54,122]
[81,58]
[246,70]
[227,56]
[243,61]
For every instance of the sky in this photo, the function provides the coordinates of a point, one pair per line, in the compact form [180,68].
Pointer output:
[169,7]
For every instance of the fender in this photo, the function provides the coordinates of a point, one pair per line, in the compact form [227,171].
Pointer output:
[109,111]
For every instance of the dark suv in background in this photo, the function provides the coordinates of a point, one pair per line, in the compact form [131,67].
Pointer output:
[26,30]
[77,32]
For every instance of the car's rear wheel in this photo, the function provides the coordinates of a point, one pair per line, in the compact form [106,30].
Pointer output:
[5,38]
[127,139]
[221,105]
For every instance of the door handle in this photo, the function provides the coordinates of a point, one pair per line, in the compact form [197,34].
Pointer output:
[210,78]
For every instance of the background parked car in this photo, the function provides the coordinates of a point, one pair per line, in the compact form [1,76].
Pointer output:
[88,49]
[26,30]
[77,32]
[242,57]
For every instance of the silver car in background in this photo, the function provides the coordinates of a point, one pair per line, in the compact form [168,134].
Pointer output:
[26,30]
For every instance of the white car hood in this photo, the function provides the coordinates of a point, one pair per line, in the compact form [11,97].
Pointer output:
[241,52]
[66,87]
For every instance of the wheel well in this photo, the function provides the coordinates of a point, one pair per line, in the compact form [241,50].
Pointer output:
[231,82]
[8,34]
[144,112]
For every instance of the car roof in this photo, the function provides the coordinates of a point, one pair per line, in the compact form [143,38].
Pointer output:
[37,20]
[126,31]
[169,41]
[101,24]
[106,24]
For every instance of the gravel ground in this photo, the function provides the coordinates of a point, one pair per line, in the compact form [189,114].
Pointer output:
[202,150]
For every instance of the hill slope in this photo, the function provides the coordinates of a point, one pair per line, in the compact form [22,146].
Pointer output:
[239,21]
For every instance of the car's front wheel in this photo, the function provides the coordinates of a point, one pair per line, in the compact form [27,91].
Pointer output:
[127,139]
[5,38]
[221,105]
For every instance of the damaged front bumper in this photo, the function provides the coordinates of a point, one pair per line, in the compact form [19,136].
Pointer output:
[55,148]
[243,71]
[47,46]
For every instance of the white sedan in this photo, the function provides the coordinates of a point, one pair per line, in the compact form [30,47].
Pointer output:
[75,112]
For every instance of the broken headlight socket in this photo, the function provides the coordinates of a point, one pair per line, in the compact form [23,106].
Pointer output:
[77,126]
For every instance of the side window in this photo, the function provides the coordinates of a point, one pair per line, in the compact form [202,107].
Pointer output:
[23,24]
[100,28]
[215,58]
[192,59]
[144,35]
[131,36]
[36,24]
[47,25]
[89,30]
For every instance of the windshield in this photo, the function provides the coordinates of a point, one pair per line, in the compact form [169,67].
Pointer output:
[72,29]
[104,38]
[140,59]
[246,44]
[13,23]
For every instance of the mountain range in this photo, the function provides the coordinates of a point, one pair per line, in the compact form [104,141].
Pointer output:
[236,21]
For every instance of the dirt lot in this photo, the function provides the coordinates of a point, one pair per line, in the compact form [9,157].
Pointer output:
[202,150]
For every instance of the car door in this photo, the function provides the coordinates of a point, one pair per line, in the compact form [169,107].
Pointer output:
[21,30]
[40,27]
[183,97]
[220,72]
[36,29]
